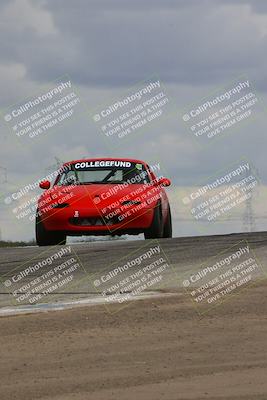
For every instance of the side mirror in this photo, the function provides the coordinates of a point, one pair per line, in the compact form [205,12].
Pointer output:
[164,182]
[44,185]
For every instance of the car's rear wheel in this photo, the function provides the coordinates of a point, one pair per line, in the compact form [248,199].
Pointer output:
[47,238]
[167,230]
[156,228]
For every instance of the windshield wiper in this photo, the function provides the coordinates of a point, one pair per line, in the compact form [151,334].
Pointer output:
[101,182]
[87,183]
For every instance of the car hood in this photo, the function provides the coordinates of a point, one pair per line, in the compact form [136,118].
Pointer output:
[104,194]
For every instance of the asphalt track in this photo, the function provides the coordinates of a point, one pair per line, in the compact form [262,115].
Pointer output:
[154,349]
[184,255]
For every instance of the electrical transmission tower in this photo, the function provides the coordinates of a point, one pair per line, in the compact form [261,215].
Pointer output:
[4,174]
[55,166]
[3,181]
[249,224]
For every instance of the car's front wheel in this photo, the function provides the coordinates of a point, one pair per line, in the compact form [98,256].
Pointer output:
[156,228]
[47,238]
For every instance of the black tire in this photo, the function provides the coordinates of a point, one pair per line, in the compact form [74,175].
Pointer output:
[167,230]
[47,238]
[156,228]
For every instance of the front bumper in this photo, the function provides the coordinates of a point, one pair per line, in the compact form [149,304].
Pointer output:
[90,221]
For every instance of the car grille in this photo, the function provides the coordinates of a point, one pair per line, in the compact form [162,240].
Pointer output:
[93,221]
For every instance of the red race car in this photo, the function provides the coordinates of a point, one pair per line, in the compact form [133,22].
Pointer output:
[103,196]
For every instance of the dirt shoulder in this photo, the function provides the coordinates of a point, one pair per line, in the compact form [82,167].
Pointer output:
[152,349]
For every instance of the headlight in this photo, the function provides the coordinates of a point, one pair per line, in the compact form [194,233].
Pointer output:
[60,205]
[130,202]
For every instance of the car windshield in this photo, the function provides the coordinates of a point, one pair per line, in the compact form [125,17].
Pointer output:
[105,172]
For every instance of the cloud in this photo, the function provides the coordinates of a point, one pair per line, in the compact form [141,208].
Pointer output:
[106,47]
[185,42]
[26,15]
[110,45]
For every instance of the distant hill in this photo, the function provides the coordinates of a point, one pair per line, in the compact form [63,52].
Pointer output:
[9,243]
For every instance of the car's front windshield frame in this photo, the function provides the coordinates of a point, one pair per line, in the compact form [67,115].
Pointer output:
[72,176]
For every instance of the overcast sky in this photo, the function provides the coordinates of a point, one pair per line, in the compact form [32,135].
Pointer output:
[195,47]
